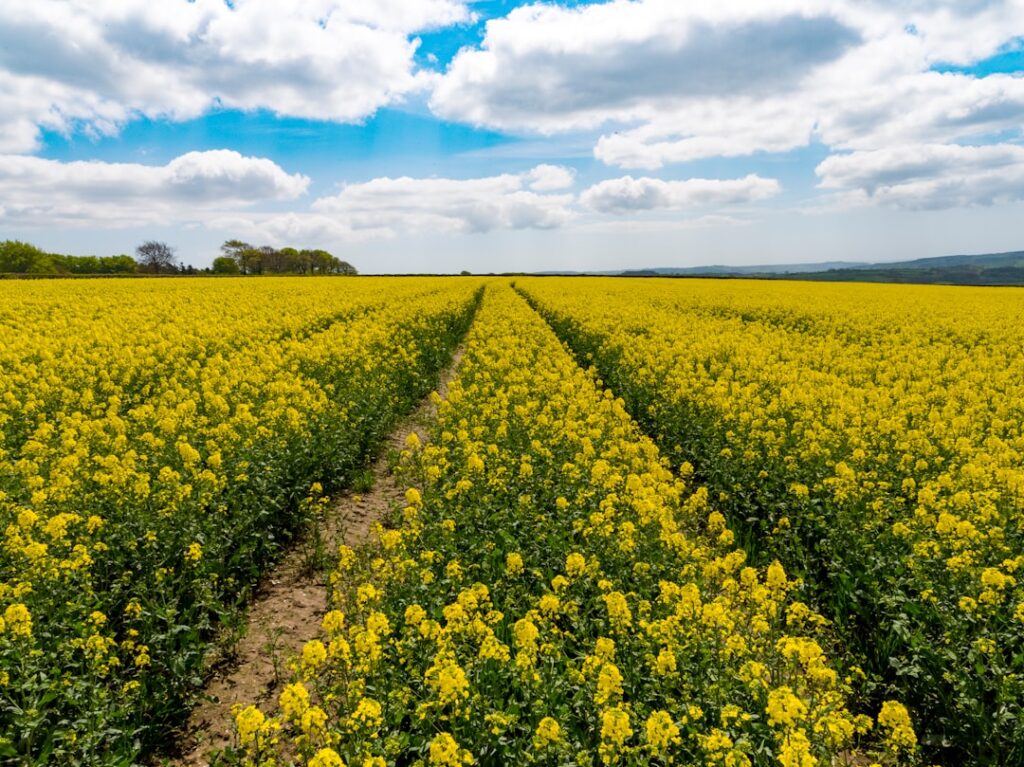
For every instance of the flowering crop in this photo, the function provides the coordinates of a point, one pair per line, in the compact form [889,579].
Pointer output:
[551,593]
[156,438]
[869,437]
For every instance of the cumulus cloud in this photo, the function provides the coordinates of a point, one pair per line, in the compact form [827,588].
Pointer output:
[641,227]
[930,176]
[438,205]
[294,228]
[728,128]
[549,68]
[40,192]
[545,178]
[672,82]
[631,195]
[68,64]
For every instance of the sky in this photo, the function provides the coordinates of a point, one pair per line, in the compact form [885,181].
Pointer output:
[443,135]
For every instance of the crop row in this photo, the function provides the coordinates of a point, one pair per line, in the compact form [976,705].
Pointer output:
[869,437]
[137,515]
[551,593]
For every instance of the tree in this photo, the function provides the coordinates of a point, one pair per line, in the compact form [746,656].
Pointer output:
[293,261]
[272,260]
[22,258]
[225,265]
[243,254]
[155,256]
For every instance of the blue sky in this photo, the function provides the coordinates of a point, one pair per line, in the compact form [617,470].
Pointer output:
[619,134]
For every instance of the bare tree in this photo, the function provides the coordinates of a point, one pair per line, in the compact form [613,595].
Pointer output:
[156,256]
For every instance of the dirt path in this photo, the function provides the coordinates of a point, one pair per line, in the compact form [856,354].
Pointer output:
[291,601]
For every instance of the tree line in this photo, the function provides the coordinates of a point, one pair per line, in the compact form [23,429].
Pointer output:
[154,257]
[239,257]
[23,258]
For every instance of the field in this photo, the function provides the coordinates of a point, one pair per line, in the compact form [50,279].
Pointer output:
[653,521]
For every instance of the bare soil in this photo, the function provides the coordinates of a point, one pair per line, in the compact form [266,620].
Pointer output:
[290,603]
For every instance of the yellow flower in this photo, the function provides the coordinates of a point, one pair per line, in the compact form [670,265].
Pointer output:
[18,620]
[445,752]
[895,721]
[615,731]
[661,730]
[575,565]
[448,681]
[313,655]
[795,750]
[326,757]
[666,663]
[526,633]
[609,684]
[492,649]
[333,622]
[618,610]
[368,714]
[513,564]
[777,577]
[414,615]
[784,708]
[249,723]
[604,648]
[548,604]
[194,552]
[548,731]
[294,701]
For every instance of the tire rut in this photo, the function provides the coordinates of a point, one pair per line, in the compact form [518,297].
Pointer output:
[291,601]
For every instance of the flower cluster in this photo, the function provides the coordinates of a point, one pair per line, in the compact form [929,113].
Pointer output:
[155,437]
[551,593]
[869,437]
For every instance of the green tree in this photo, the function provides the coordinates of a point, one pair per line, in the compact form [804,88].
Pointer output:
[18,257]
[242,253]
[225,265]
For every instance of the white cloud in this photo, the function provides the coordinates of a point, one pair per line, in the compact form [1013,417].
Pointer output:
[442,205]
[548,68]
[631,195]
[923,108]
[65,64]
[671,82]
[390,207]
[728,128]
[39,192]
[545,178]
[930,176]
[643,227]
[295,228]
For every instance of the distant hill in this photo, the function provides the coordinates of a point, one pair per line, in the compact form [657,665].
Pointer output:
[984,269]
[762,269]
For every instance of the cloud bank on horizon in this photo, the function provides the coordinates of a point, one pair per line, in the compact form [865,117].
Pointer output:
[627,115]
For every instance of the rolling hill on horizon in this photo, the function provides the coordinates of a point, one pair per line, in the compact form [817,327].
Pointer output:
[981,269]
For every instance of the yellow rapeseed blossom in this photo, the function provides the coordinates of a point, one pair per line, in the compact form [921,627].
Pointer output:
[326,757]
[592,581]
[445,752]
[149,437]
[899,732]
[661,731]
[548,731]
[848,430]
